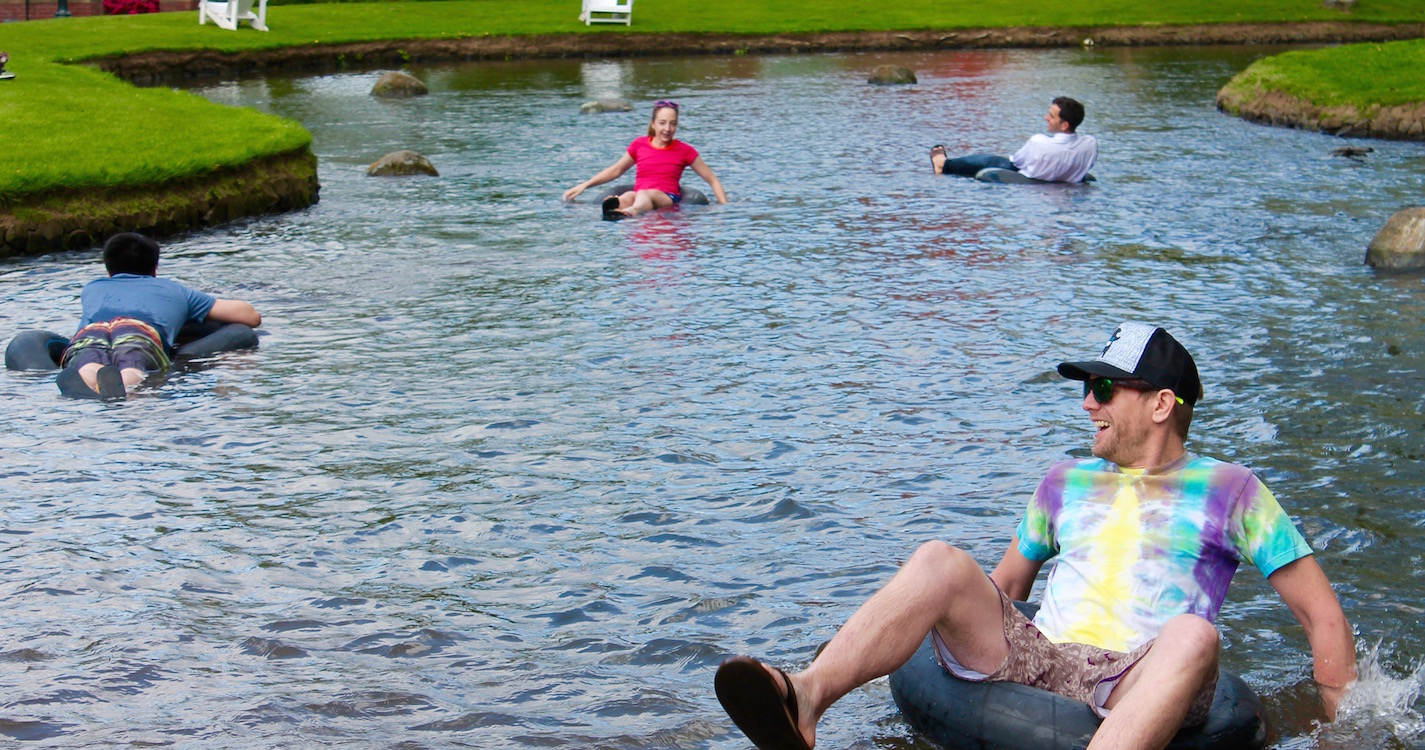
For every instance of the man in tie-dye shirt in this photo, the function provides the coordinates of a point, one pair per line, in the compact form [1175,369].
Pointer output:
[1147,536]
[1137,546]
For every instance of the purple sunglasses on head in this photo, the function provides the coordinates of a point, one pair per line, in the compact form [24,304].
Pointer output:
[661,103]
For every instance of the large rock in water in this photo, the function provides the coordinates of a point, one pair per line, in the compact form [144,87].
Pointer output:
[605,105]
[395,84]
[1400,244]
[399,163]
[891,74]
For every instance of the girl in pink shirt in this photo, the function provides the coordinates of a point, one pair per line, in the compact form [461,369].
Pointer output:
[660,159]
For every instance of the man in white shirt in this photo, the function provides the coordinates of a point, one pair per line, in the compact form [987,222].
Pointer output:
[1064,155]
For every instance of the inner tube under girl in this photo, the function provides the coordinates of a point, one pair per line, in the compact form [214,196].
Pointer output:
[661,159]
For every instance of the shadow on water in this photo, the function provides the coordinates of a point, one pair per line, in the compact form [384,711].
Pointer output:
[504,475]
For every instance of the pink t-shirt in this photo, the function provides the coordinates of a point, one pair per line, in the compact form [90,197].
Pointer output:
[660,168]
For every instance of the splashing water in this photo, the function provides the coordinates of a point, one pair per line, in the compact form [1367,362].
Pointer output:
[1379,709]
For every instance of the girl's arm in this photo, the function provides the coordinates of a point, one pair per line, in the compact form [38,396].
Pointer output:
[705,172]
[611,173]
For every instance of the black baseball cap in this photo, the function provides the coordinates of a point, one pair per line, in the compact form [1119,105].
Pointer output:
[1138,351]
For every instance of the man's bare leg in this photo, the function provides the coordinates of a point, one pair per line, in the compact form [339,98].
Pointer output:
[90,374]
[132,376]
[1149,703]
[940,586]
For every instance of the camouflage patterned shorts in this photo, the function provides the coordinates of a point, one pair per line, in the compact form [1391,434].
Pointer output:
[1074,670]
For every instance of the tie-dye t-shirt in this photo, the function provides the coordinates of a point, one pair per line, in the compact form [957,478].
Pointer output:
[1136,548]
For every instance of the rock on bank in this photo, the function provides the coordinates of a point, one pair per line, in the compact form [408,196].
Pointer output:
[34,224]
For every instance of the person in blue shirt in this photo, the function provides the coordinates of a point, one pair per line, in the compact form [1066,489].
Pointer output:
[131,319]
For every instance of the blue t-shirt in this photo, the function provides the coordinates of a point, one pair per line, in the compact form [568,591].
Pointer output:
[163,303]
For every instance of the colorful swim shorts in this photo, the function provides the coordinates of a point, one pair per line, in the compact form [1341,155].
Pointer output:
[1074,670]
[126,343]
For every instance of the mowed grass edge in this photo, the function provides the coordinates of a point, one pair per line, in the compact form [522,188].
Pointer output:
[1355,75]
[73,127]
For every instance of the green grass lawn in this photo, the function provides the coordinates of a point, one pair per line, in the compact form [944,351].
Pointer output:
[1358,75]
[69,126]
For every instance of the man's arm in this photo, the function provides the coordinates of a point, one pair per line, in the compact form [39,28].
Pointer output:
[1304,588]
[1015,573]
[235,311]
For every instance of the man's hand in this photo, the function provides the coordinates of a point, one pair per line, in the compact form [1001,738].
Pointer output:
[1331,698]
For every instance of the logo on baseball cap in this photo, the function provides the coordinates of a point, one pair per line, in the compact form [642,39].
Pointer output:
[1137,351]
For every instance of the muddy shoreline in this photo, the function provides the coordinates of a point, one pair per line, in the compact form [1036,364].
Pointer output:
[177,68]
[1404,122]
[79,219]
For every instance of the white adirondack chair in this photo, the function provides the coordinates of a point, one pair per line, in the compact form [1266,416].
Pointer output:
[227,13]
[609,11]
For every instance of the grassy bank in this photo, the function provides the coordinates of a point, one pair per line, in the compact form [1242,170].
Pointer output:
[74,127]
[1359,90]
[327,23]
[1357,75]
[69,126]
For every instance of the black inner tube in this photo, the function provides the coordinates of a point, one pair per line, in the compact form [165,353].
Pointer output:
[691,196]
[42,350]
[958,714]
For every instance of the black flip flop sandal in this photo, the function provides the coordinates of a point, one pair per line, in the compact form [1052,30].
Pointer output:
[749,695]
[611,212]
[111,384]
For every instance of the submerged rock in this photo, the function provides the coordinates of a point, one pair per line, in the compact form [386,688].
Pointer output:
[398,163]
[605,105]
[891,74]
[1400,244]
[395,84]
[1352,152]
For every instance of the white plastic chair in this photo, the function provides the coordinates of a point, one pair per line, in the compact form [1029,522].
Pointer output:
[227,13]
[610,11]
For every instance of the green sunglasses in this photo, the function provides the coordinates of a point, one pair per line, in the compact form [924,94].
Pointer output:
[1102,388]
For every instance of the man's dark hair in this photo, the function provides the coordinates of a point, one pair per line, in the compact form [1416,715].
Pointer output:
[128,252]
[1182,419]
[1070,111]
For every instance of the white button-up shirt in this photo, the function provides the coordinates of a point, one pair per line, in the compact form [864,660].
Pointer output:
[1061,157]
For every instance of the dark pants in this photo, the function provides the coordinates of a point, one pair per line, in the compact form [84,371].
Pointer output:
[967,166]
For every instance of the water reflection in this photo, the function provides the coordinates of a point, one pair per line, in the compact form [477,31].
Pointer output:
[504,474]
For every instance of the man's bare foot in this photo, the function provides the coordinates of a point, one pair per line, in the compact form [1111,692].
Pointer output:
[937,159]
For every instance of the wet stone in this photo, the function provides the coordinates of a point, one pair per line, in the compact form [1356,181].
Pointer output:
[399,163]
[394,85]
[605,105]
[1400,244]
[78,239]
[888,75]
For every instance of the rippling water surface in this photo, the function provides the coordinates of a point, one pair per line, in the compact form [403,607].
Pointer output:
[504,475]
